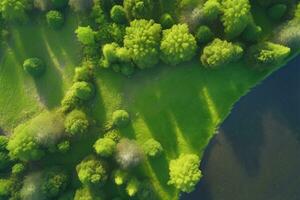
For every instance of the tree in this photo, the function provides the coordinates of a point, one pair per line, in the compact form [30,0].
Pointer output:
[166,21]
[142,40]
[3,142]
[152,148]
[220,52]
[236,16]
[177,45]
[184,172]
[132,187]
[85,35]
[120,177]
[86,193]
[277,11]
[91,171]
[70,101]
[13,10]
[83,73]
[81,5]
[105,147]
[5,188]
[64,146]
[18,169]
[118,14]
[34,66]
[114,135]
[110,52]
[139,9]
[120,118]
[128,154]
[204,35]
[252,33]
[76,123]
[83,90]
[55,19]
[211,10]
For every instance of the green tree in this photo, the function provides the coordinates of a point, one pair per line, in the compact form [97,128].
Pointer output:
[297,12]
[204,35]
[184,172]
[118,14]
[277,11]
[13,10]
[55,19]
[76,123]
[211,10]
[85,35]
[86,193]
[34,66]
[152,148]
[120,118]
[177,45]
[139,9]
[142,40]
[83,90]
[220,52]
[132,187]
[166,21]
[105,147]
[5,188]
[120,177]
[18,169]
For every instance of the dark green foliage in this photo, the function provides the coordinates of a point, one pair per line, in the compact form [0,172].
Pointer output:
[4,160]
[120,118]
[13,10]
[211,10]
[105,147]
[277,11]
[91,171]
[127,69]
[252,32]
[31,189]
[128,154]
[64,146]
[152,148]
[177,45]
[236,17]
[59,3]
[220,52]
[81,5]
[18,169]
[34,66]
[3,142]
[114,135]
[166,21]
[83,90]
[55,19]
[204,35]
[85,35]
[86,193]
[118,14]
[146,191]
[76,123]
[5,188]
[139,9]
[142,40]
[184,172]
[69,195]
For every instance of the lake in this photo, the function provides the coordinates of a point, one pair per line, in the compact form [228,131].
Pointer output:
[256,155]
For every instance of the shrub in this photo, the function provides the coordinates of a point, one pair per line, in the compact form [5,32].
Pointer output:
[118,14]
[18,169]
[177,45]
[59,3]
[120,177]
[152,148]
[4,160]
[55,19]
[236,16]
[64,146]
[13,10]
[83,90]
[277,11]
[3,142]
[142,40]
[85,35]
[267,54]
[34,66]
[220,52]
[105,147]
[83,74]
[76,123]
[132,187]
[166,21]
[204,35]
[80,5]
[297,12]
[120,118]
[211,10]
[91,171]
[184,172]
[128,154]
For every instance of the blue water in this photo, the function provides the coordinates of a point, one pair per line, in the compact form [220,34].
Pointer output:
[256,155]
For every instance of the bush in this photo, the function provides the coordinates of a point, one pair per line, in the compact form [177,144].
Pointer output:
[128,154]
[142,40]
[34,66]
[220,52]
[118,14]
[55,19]
[204,35]
[184,172]
[177,45]
[83,74]
[166,21]
[236,17]
[211,10]
[18,169]
[80,5]
[152,148]
[85,35]
[127,69]
[83,90]
[91,171]
[105,147]
[132,187]
[120,118]
[76,123]
[277,11]
[64,146]
[120,177]
[59,3]
[13,10]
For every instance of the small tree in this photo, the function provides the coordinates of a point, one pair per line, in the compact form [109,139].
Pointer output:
[13,10]
[204,35]
[132,187]
[211,10]
[83,90]
[85,35]
[55,19]
[118,14]
[120,177]
[18,169]
[166,21]
[120,118]
[76,123]
[105,147]
[152,148]
[34,66]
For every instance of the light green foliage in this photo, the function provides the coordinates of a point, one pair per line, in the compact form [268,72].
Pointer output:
[85,35]
[128,154]
[76,123]
[114,135]
[13,10]
[91,171]
[132,187]
[82,74]
[86,193]
[5,188]
[236,16]
[166,21]
[120,118]
[110,52]
[277,11]
[204,35]
[34,66]
[80,5]
[211,10]
[70,101]
[18,169]
[120,177]
[64,146]
[142,40]
[139,9]
[55,19]
[184,172]
[105,147]
[83,90]
[118,14]
[177,45]
[267,54]
[152,148]
[220,52]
